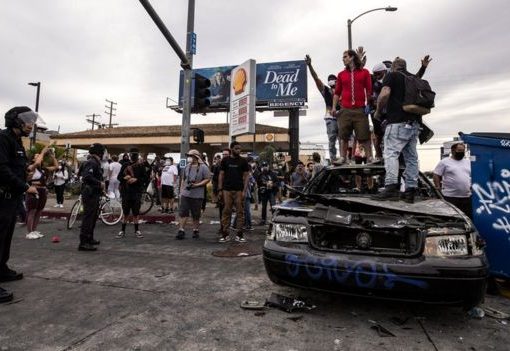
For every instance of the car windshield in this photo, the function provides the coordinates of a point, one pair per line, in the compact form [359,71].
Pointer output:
[358,181]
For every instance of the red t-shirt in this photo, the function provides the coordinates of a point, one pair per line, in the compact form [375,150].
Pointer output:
[362,87]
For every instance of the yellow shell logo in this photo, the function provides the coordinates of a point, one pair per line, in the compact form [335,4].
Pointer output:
[240,80]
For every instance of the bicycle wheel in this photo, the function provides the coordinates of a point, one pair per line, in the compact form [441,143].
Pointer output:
[147,203]
[111,212]
[76,211]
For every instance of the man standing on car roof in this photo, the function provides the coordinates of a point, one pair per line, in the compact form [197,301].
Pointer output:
[400,136]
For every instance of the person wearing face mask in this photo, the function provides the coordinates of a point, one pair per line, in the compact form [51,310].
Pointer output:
[59,179]
[19,122]
[136,178]
[195,177]
[327,92]
[452,176]
[266,182]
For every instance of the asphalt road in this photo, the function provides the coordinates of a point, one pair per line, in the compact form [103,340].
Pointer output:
[157,293]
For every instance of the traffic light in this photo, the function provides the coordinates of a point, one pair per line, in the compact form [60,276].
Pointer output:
[198,135]
[201,93]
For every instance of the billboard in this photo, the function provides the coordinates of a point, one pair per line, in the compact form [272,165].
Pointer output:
[242,99]
[279,84]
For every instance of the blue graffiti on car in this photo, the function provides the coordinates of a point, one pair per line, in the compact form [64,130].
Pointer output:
[365,274]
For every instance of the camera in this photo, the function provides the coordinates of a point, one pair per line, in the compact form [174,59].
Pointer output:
[189,185]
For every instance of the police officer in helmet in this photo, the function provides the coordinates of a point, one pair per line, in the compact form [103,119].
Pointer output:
[92,188]
[19,122]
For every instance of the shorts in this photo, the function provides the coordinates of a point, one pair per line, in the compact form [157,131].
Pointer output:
[131,203]
[34,203]
[189,204]
[167,192]
[353,119]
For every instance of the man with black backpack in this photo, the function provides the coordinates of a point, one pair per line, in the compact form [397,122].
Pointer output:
[401,133]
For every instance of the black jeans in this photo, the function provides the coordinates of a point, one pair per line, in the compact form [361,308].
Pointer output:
[8,210]
[90,214]
[59,191]
[265,197]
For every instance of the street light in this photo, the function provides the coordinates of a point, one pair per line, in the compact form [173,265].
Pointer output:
[349,21]
[34,131]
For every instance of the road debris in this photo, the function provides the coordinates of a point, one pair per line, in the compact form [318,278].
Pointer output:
[288,304]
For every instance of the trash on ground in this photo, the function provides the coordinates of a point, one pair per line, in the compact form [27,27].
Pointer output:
[243,254]
[476,312]
[494,313]
[55,239]
[382,331]
[288,304]
[503,322]
[253,305]
[259,313]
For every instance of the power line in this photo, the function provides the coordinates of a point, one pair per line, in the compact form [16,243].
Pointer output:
[110,112]
[92,120]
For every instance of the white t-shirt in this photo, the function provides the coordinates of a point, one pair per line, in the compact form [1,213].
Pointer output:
[167,175]
[115,169]
[456,177]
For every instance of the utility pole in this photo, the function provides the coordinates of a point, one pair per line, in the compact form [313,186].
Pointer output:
[92,120]
[110,112]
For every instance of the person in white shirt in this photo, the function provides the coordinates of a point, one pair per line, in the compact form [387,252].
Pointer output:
[168,181]
[59,180]
[113,172]
[453,177]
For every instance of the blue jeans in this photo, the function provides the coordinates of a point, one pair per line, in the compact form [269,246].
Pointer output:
[332,131]
[247,212]
[401,138]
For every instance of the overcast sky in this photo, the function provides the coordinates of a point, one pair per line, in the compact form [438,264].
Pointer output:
[84,52]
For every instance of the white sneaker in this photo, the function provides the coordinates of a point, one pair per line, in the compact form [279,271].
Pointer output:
[56,206]
[39,234]
[32,235]
[139,234]
[61,206]
[120,235]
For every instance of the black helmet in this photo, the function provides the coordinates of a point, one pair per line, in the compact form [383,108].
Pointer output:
[18,116]
[97,149]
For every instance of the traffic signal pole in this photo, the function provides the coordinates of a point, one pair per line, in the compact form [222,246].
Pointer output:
[186,64]
[186,108]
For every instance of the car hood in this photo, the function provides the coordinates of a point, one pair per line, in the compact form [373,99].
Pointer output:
[436,207]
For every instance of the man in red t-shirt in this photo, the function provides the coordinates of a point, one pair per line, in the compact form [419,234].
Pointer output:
[354,90]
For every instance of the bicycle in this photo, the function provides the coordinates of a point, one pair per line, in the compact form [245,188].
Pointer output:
[147,202]
[110,211]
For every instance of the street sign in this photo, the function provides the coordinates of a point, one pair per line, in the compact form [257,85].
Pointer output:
[193,44]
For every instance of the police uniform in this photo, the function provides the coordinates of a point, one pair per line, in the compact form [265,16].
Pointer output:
[13,163]
[92,176]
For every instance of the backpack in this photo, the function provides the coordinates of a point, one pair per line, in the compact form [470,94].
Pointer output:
[418,96]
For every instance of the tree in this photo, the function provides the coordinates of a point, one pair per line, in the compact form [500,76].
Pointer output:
[267,155]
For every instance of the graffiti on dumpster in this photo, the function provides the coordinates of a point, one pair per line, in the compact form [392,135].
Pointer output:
[494,199]
[365,274]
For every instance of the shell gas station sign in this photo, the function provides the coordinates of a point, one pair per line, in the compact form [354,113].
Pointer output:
[243,98]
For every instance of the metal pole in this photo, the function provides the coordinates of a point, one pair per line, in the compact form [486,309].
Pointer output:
[185,61]
[186,108]
[349,34]
[294,136]
[37,97]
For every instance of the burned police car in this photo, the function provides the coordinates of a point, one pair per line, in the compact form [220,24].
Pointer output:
[334,237]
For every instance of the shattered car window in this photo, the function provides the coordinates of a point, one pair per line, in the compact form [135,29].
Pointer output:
[358,181]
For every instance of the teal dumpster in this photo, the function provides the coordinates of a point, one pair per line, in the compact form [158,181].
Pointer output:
[490,172]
